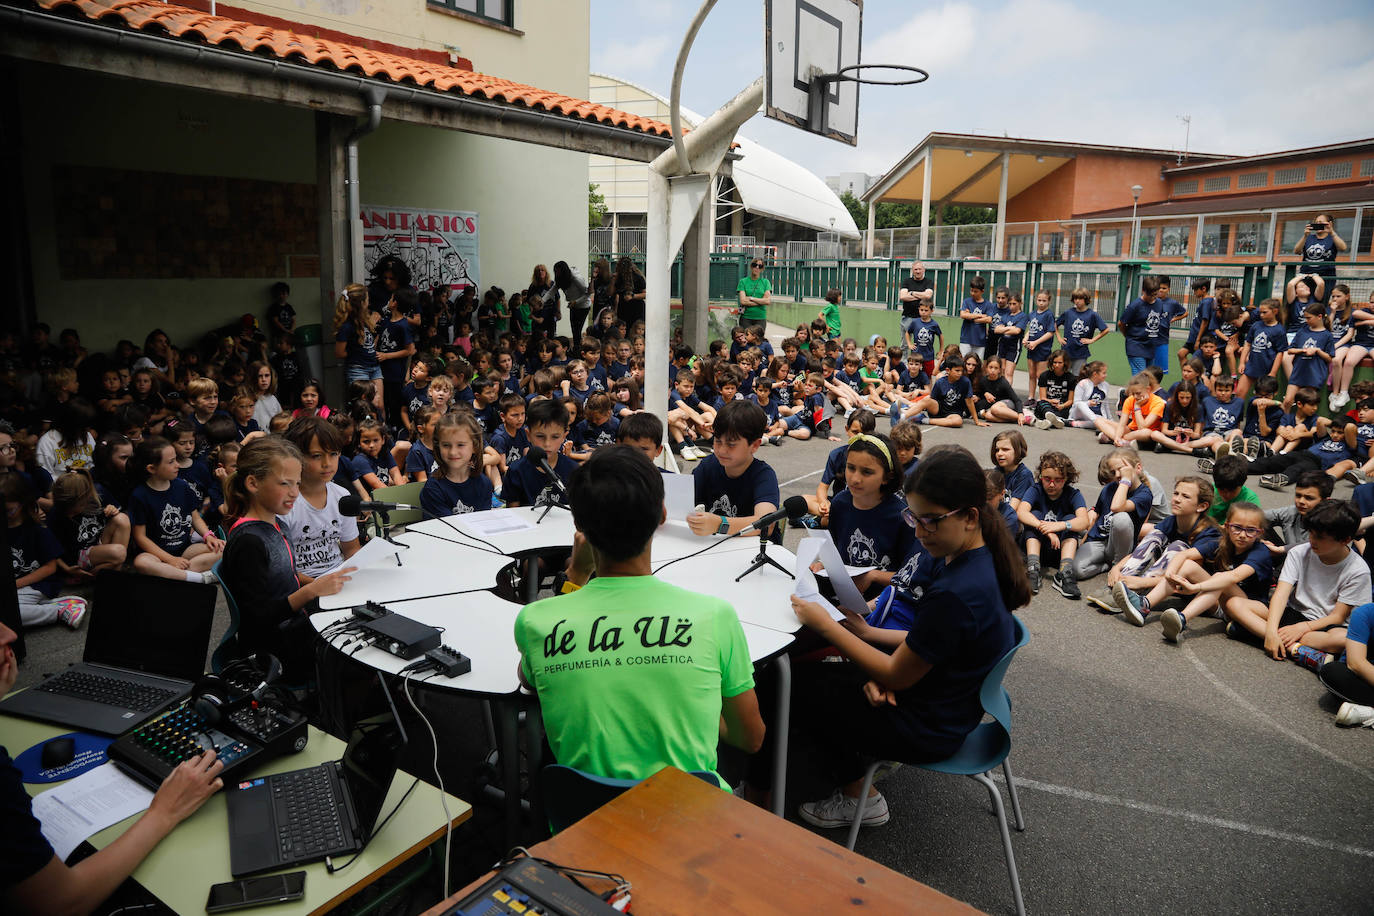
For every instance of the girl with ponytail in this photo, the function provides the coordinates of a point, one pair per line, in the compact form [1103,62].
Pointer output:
[355,339]
[921,701]
[258,569]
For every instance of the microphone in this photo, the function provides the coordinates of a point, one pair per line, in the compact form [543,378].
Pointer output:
[541,458]
[353,506]
[793,508]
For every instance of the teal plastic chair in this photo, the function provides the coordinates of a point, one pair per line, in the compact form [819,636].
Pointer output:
[571,794]
[228,645]
[983,750]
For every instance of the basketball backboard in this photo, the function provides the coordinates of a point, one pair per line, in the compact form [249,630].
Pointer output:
[804,39]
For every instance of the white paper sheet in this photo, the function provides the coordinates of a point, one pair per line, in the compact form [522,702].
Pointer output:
[851,570]
[84,806]
[806,588]
[679,495]
[373,552]
[492,522]
[846,593]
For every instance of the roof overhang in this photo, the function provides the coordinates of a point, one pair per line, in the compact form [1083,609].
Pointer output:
[472,103]
[1310,152]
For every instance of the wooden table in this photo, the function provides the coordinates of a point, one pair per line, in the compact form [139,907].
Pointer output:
[690,848]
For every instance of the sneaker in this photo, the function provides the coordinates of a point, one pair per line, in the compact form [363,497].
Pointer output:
[73,611]
[1338,400]
[886,769]
[1308,657]
[1356,476]
[1174,624]
[1041,423]
[497,502]
[689,453]
[1065,584]
[1205,465]
[1102,605]
[809,521]
[1222,449]
[1025,419]
[839,809]
[209,577]
[1251,447]
[775,440]
[1132,605]
[1274,481]
[1055,420]
[1353,715]
[1266,448]
[1033,575]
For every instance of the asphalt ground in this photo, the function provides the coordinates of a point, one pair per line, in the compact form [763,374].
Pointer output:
[1154,777]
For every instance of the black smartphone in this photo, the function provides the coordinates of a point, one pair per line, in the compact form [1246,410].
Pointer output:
[239,895]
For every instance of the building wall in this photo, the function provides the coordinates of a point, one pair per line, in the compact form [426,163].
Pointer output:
[1348,167]
[1049,198]
[1103,182]
[625,185]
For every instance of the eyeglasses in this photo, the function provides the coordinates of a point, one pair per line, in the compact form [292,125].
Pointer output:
[7,447]
[1246,529]
[756,264]
[928,522]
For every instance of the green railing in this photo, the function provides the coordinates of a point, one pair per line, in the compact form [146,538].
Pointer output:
[876,281]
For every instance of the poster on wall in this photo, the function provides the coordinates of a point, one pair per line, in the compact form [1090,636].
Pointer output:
[439,246]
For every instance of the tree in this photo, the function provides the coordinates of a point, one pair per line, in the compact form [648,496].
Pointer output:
[857,209]
[596,206]
[901,216]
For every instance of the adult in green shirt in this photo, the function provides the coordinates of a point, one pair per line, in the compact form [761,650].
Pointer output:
[633,674]
[755,295]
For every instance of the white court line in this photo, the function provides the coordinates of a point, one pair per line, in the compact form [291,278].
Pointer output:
[802,477]
[1270,720]
[1193,816]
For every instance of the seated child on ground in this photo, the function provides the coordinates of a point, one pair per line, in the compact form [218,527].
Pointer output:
[1053,516]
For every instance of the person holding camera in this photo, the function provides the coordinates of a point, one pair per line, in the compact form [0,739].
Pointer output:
[1319,246]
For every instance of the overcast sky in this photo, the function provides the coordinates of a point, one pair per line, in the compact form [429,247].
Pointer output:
[1255,76]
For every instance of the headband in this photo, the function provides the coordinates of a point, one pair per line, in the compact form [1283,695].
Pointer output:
[882,446]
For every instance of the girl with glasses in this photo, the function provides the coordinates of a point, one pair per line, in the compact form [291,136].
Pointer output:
[1210,573]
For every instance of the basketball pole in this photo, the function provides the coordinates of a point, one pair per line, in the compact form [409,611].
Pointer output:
[680,180]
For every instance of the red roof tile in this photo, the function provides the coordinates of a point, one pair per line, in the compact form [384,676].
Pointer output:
[187,24]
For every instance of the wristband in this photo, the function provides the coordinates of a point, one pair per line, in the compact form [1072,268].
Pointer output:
[724,525]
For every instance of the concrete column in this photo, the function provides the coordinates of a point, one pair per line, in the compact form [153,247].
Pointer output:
[925,207]
[331,131]
[868,239]
[696,276]
[1197,242]
[1000,234]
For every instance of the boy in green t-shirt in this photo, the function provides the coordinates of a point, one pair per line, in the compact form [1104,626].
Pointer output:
[830,314]
[755,295]
[520,311]
[633,674]
[1229,475]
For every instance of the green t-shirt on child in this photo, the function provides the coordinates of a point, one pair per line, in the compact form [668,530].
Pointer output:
[630,673]
[1220,507]
[832,318]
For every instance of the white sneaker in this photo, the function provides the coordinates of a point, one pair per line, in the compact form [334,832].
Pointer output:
[1041,423]
[73,611]
[1055,420]
[691,453]
[1350,715]
[839,809]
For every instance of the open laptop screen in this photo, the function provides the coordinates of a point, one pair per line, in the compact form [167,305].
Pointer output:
[369,764]
[157,626]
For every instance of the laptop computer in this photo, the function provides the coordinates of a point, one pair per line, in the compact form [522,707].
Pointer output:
[322,811]
[146,642]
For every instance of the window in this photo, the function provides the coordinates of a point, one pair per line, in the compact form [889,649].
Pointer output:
[1186,187]
[1220,183]
[1111,244]
[1295,175]
[1333,171]
[1173,242]
[1145,245]
[1248,238]
[1367,168]
[1252,180]
[1215,238]
[494,10]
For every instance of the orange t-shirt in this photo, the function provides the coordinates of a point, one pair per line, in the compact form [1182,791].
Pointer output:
[1154,406]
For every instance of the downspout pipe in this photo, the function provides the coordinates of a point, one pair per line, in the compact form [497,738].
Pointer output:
[373,97]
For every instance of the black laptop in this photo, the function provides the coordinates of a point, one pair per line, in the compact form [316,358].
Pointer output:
[315,813]
[146,642]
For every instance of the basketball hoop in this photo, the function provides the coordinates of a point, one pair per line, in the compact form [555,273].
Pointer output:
[818,90]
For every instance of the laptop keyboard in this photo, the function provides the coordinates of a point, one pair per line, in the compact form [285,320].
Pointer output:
[307,813]
[83,685]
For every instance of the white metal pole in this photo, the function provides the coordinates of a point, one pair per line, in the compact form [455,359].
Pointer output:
[925,206]
[1000,233]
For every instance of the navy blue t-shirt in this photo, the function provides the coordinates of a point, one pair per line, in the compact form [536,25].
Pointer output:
[924,336]
[1266,343]
[961,628]
[512,448]
[585,435]
[198,476]
[1273,415]
[1330,452]
[971,332]
[243,431]
[1063,509]
[24,851]
[31,547]
[165,515]
[1038,324]
[359,354]
[813,410]
[734,497]
[441,497]
[1141,322]
[871,537]
[1018,481]
[526,483]
[1222,418]
[1077,325]
[364,464]
[770,410]
[393,337]
[1141,499]
[420,459]
[1200,533]
[952,397]
[834,467]
[1206,311]
[1257,558]
[413,398]
[1311,370]
[1009,346]
[489,418]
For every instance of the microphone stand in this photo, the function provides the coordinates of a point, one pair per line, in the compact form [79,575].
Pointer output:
[384,527]
[762,559]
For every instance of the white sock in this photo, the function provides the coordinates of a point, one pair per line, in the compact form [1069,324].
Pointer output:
[193,576]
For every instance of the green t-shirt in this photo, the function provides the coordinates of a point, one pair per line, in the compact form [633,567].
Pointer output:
[630,673]
[1220,507]
[522,317]
[832,318]
[754,289]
